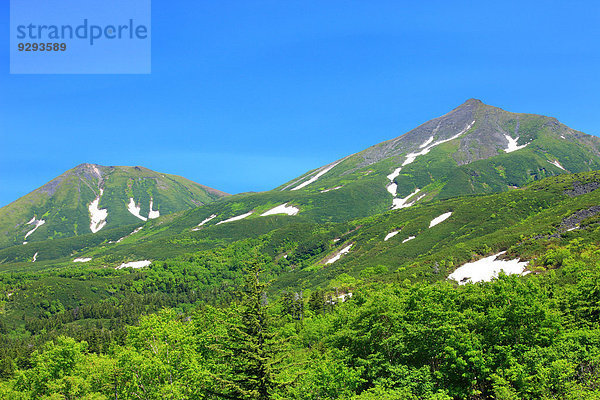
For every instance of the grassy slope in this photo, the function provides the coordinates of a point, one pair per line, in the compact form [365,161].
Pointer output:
[479,226]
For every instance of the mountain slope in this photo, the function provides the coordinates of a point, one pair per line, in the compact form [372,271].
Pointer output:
[520,221]
[474,149]
[90,197]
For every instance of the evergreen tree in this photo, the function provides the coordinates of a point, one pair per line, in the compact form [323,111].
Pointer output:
[252,349]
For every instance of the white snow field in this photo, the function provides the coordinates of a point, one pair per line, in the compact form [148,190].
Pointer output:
[281,209]
[339,254]
[487,268]
[35,257]
[197,228]
[236,218]
[135,264]
[135,210]
[403,203]
[557,164]
[390,235]
[38,223]
[97,215]
[394,174]
[329,190]
[427,142]
[392,187]
[82,259]
[408,238]
[322,172]
[512,144]
[153,213]
[440,219]
[413,156]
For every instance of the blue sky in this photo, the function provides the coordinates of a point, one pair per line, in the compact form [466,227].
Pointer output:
[245,95]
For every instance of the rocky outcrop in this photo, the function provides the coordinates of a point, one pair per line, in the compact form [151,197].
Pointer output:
[582,188]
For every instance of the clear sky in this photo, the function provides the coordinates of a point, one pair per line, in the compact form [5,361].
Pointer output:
[245,95]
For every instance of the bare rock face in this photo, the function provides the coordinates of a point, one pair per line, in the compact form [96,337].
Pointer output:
[573,220]
[582,188]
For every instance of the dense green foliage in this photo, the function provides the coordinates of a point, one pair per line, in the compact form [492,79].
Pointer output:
[523,338]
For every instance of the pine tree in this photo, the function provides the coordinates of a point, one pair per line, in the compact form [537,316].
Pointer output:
[252,350]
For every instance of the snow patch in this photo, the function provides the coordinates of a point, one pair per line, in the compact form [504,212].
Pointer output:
[136,230]
[135,264]
[390,235]
[317,176]
[392,188]
[440,219]
[410,157]
[38,223]
[408,238]
[135,210]
[197,228]
[403,203]
[562,136]
[394,174]
[343,251]
[557,164]
[35,256]
[512,144]
[82,259]
[426,142]
[97,215]
[31,221]
[487,268]
[153,213]
[236,218]
[328,190]
[281,209]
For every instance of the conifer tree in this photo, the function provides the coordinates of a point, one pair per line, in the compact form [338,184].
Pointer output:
[252,349]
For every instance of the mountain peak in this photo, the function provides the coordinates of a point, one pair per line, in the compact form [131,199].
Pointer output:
[469,104]
[90,196]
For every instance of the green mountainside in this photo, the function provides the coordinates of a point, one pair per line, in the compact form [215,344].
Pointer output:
[376,276]
[67,205]
[461,153]
[352,312]
[478,225]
